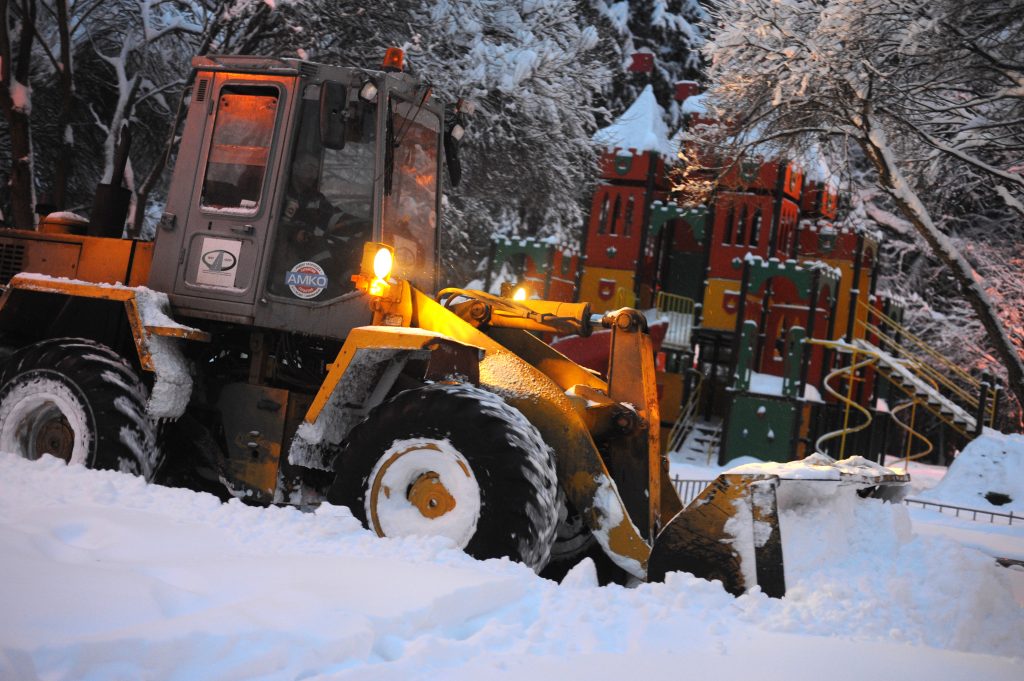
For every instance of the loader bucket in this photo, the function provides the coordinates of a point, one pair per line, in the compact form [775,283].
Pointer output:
[730,533]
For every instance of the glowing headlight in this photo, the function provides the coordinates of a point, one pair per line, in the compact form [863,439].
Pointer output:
[520,293]
[382,263]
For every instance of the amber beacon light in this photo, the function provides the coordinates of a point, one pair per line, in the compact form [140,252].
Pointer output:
[394,60]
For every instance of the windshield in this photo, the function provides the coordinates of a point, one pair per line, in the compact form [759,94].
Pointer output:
[410,208]
[326,213]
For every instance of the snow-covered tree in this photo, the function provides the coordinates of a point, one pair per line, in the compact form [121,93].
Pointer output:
[669,31]
[532,69]
[930,92]
[85,67]
[17,35]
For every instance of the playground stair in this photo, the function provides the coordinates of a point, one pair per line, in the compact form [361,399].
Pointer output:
[926,375]
[909,377]
[701,442]
[694,439]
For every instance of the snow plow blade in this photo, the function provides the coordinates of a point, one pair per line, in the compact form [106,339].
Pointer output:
[729,533]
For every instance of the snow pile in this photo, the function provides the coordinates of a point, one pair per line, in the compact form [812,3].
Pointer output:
[990,468]
[104,577]
[863,573]
[923,476]
[697,104]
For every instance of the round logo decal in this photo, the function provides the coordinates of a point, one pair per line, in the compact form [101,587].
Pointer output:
[306,280]
[219,260]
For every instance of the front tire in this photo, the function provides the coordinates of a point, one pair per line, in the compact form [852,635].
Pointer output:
[455,461]
[79,401]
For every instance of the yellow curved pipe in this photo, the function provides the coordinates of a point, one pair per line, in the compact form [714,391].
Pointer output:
[909,428]
[847,399]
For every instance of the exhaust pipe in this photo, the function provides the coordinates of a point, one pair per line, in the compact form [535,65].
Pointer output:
[111,203]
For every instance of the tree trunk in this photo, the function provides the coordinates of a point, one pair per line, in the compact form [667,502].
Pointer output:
[65,151]
[970,282]
[17,112]
[147,186]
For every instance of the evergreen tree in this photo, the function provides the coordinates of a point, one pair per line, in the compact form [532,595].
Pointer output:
[668,30]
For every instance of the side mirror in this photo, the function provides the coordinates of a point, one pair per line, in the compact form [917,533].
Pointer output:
[333,114]
[453,139]
[451,157]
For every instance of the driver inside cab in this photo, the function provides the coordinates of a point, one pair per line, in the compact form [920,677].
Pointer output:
[316,239]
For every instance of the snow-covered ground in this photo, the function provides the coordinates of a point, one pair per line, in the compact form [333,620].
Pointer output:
[103,577]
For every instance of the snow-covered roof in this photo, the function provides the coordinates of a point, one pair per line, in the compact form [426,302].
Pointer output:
[696,104]
[641,127]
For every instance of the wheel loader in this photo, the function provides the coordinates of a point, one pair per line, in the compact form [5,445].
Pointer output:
[274,343]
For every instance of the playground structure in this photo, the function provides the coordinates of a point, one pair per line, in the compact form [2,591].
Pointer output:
[778,342]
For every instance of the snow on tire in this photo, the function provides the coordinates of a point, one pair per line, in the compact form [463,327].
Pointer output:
[455,461]
[79,401]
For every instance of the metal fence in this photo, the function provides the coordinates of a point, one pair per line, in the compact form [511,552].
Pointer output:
[974,514]
[689,489]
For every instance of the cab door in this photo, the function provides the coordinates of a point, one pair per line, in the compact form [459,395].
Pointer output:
[229,215]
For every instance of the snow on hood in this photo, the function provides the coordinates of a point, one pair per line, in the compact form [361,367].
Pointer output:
[642,128]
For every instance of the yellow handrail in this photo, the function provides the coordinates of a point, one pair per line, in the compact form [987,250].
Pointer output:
[670,302]
[920,344]
[680,428]
[967,390]
[911,432]
[680,311]
[851,369]
[928,371]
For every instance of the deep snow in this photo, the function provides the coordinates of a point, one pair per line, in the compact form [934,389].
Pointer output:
[104,577]
[990,465]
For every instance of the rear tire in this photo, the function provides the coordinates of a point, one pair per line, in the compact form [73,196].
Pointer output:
[456,461]
[190,458]
[79,401]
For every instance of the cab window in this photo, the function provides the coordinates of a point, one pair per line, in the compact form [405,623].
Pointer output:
[240,149]
[326,212]
[410,201]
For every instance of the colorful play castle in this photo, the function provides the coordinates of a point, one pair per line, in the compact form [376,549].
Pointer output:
[778,341]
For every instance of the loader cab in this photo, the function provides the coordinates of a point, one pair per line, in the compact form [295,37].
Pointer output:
[285,169]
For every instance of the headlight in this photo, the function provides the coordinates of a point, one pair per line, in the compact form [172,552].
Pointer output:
[382,263]
[375,269]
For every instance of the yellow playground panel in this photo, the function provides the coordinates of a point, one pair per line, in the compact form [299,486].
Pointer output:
[607,289]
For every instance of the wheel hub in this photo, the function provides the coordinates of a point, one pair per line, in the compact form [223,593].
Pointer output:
[50,433]
[40,414]
[429,495]
[423,486]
